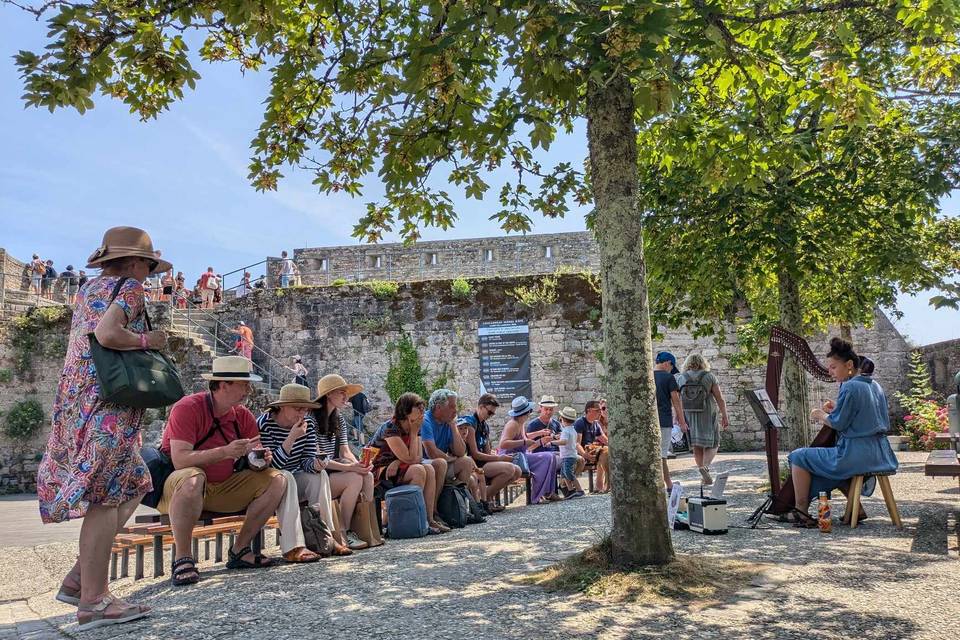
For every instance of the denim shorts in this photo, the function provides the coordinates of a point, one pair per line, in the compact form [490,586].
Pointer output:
[568,468]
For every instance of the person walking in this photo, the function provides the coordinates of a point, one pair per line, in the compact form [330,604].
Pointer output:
[246,339]
[91,467]
[208,286]
[703,404]
[37,269]
[299,371]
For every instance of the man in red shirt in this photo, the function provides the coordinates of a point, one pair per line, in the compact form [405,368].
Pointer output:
[205,436]
[208,288]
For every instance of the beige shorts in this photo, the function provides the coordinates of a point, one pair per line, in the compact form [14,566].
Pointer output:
[232,495]
[206,295]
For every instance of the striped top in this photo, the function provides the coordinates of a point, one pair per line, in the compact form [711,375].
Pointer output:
[304,450]
[329,445]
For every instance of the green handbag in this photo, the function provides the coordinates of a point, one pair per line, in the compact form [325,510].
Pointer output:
[138,378]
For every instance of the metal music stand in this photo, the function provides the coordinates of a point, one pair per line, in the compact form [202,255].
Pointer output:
[770,419]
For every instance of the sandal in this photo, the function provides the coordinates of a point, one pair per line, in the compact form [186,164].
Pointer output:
[439,528]
[801,519]
[97,616]
[68,595]
[185,565]
[301,555]
[236,560]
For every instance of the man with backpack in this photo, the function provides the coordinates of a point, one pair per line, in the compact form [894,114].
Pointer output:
[209,284]
[668,405]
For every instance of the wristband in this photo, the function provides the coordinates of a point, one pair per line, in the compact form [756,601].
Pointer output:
[143,341]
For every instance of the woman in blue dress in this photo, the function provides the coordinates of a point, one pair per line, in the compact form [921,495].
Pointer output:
[861,420]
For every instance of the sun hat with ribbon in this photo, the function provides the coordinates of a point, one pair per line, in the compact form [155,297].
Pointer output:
[332,382]
[569,414]
[520,406]
[294,395]
[548,401]
[231,369]
[122,242]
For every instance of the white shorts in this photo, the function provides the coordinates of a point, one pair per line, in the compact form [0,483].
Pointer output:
[665,435]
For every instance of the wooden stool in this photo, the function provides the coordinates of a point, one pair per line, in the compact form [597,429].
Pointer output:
[852,512]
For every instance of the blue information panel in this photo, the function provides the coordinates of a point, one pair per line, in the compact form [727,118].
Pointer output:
[505,359]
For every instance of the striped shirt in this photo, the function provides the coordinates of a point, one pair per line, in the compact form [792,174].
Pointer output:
[328,445]
[303,452]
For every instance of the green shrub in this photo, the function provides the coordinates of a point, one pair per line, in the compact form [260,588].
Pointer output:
[540,294]
[23,420]
[339,282]
[924,416]
[6,375]
[461,289]
[32,335]
[405,372]
[382,289]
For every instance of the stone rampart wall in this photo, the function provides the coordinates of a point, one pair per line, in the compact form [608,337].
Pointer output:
[943,361]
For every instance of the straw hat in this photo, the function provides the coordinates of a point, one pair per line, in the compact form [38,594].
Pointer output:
[231,369]
[295,395]
[333,382]
[569,413]
[121,242]
[548,401]
[520,406]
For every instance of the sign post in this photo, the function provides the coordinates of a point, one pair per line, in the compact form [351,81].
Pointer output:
[505,359]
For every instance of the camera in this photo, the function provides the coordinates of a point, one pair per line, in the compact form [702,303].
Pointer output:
[256,460]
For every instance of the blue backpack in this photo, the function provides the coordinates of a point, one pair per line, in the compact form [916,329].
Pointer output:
[406,512]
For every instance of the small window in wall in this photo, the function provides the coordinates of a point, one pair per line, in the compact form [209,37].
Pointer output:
[376,262]
[324,264]
[548,251]
[488,255]
[433,259]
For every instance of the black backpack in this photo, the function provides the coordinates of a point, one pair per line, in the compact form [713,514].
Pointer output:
[454,506]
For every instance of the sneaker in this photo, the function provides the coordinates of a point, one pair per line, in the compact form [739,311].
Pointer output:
[576,494]
[705,476]
[868,486]
[565,492]
[354,541]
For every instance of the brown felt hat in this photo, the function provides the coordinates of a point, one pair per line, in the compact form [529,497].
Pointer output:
[123,242]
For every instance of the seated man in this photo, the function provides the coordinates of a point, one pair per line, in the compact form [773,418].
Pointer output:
[498,471]
[205,436]
[442,442]
[591,447]
[544,429]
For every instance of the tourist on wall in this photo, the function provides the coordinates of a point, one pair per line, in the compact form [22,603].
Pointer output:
[91,467]
[70,284]
[208,285]
[244,287]
[81,280]
[399,458]
[244,340]
[514,441]
[299,371]
[285,429]
[668,405]
[704,408]
[350,482]
[286,270]
[167,286]
[49,278]
[593,444]
[498,469]
[37,269]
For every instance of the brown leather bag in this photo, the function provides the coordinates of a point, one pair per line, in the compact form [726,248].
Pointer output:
[364,524]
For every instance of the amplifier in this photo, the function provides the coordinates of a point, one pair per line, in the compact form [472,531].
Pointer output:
[707,515]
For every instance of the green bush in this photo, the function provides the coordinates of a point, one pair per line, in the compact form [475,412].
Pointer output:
[461,289]
[6,375]
[23,420]
[339,282]
[32,335]
[382,289]
[541,294]
[405,372]
[924,417]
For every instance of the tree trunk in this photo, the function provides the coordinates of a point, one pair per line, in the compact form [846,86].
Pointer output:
[796,410]
[846,333]
[640,535]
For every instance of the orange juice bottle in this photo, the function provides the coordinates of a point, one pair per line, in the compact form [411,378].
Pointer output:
[825,519]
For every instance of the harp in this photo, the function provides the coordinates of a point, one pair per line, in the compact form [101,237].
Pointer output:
[781,341]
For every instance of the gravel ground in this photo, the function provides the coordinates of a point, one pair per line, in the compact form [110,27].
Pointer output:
[872,582]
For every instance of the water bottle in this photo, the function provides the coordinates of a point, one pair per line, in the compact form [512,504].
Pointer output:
[825,519]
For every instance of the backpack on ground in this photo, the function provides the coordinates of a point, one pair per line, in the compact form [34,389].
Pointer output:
[317,537]
[693,393]
[406,512]
[454,506]
[478,515]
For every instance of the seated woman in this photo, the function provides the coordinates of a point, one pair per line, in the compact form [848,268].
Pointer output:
[861,419]
[350,481]
[543,465]
[399,458]
[285,432]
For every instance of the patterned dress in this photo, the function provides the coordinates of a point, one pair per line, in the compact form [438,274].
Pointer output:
[93,454]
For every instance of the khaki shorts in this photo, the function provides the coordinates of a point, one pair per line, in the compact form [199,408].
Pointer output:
[232,495]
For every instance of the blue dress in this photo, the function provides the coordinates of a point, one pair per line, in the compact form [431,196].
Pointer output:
[862,422]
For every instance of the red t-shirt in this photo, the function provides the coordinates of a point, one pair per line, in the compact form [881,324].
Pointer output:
[204,279]
[190,420]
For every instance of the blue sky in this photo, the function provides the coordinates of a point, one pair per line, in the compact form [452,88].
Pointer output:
[66,178]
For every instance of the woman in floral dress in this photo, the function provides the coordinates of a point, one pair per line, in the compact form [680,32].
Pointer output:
[92,467]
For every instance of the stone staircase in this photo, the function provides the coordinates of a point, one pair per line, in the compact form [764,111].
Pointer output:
[17,302]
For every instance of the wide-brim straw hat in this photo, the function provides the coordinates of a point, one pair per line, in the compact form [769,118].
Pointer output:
[231,369]
[548,401]
[294,395]
[333,382]
[123,242]
[569,413]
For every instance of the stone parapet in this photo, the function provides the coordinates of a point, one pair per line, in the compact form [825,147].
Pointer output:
[943,362]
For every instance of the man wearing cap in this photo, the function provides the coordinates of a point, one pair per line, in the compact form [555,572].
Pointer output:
[246,339]
[668,405]
[442,442]
[205,437]
[498,470]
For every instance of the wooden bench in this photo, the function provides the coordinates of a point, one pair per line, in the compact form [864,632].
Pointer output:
[942,463]
[155,531]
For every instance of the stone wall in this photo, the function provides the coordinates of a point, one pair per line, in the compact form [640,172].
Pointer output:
[442,259]
[348,329]
[12,273]
[943,361]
